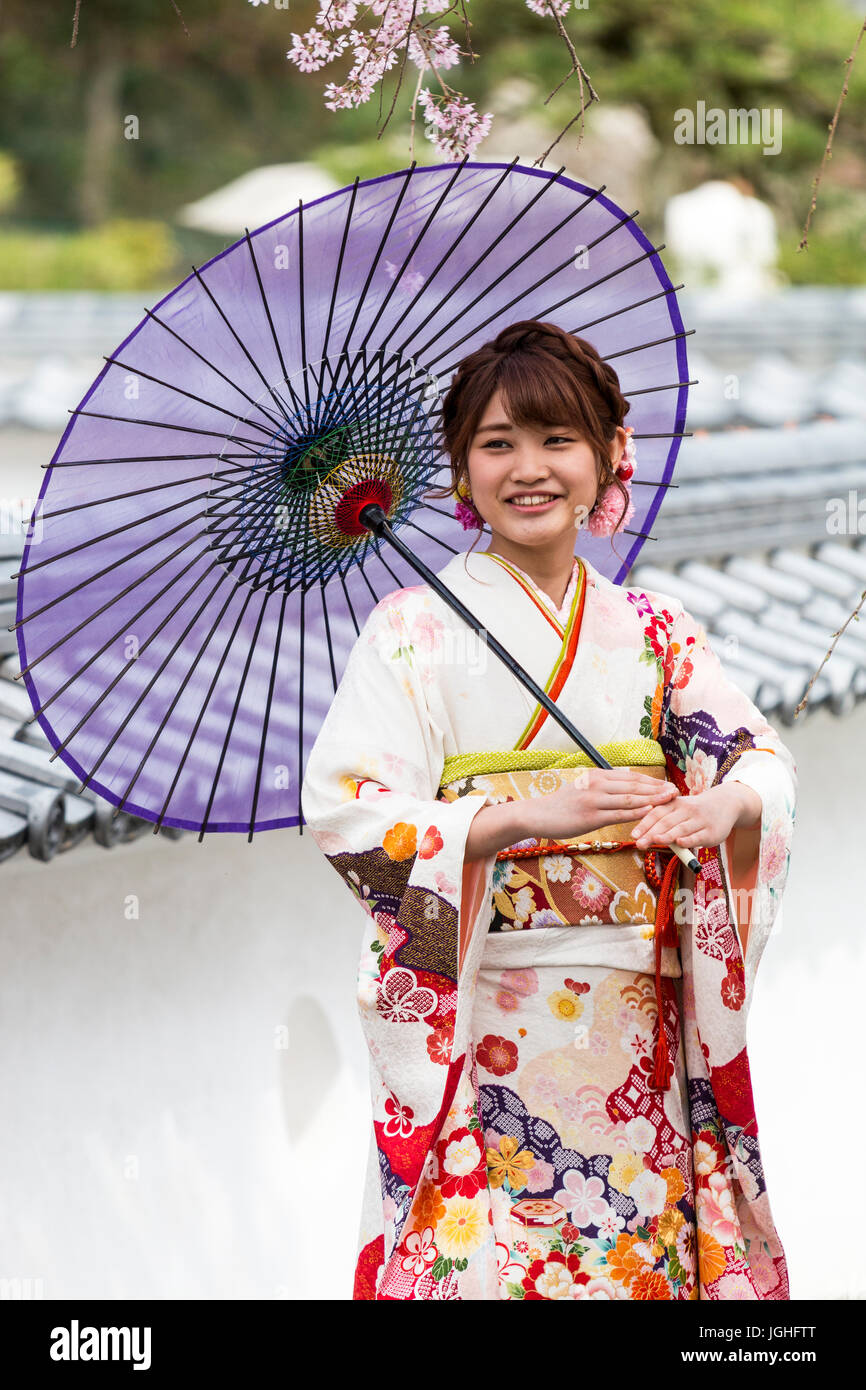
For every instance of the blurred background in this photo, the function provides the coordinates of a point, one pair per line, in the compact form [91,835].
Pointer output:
[184,1080]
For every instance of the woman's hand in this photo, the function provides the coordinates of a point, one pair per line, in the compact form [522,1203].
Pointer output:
[705,819]
[602,796]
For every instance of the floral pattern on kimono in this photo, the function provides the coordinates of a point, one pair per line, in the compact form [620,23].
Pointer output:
[372,799]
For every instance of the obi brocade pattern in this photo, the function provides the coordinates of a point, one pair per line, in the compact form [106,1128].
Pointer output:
[599,878]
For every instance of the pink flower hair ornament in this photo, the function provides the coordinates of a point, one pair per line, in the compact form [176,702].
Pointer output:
[606,516]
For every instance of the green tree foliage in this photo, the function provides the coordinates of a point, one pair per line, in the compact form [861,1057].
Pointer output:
[221,99]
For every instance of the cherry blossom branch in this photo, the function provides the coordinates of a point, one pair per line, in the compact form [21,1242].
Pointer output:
[849,63]
[576,67]
[836,636]
[407,28]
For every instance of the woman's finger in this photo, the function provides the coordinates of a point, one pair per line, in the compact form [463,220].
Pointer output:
[666,824]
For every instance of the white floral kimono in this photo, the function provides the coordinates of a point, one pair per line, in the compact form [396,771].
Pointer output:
[562,1105]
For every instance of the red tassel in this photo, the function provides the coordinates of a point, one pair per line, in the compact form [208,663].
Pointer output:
[665,935]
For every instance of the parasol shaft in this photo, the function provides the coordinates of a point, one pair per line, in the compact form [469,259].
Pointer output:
[373,517]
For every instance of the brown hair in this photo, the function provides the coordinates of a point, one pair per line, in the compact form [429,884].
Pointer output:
[546,376]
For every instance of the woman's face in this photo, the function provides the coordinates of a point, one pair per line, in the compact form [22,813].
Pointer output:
[509,465]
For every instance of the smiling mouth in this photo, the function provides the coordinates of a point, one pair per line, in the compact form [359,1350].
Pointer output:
[531,501]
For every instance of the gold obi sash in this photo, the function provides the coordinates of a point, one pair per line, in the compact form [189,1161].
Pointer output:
[595,878]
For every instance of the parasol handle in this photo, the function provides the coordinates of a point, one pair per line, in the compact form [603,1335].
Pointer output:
[375,519]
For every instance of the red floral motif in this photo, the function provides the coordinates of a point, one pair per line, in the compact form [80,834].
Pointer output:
[569,1232]
[734,986]
[439,1046]
[462,1166]
[498,1055]
[431,843]
[577,986]
[400,1118]
[544,1273]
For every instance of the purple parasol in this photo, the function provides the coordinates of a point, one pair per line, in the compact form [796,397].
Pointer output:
[197,566]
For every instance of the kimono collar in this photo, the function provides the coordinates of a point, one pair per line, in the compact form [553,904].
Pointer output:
[562,612]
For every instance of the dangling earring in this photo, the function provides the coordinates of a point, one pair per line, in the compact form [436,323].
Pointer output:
[465,511]
[605,518]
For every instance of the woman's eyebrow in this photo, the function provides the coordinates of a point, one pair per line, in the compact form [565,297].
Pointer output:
[504,425]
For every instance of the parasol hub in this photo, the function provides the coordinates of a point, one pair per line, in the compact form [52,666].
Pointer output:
[347,514]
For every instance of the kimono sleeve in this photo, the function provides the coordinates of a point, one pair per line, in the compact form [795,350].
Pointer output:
[370,798]
[370,793]
[714,733]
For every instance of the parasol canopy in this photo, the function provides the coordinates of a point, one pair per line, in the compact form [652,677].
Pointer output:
[197,567]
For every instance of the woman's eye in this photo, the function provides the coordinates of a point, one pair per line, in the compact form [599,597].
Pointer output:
[562,438]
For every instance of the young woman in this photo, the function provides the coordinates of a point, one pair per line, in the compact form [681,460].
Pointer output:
[555,1008]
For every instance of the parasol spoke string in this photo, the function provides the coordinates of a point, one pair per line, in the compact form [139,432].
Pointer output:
[648,390]
[255,444]
[110,535]
[267,308]
[109,603]
[240,342]
[328,638]
[133,710]
[262,507]
[146,607]
[295,504]
[301,303]
[100,574]
[520,262]
[418,404]
[370,545]
[473,218]
[240,691]
[428,506]
[157,673]
[530,289]
[234,714]
[269,703]
[380,556]
[382,240]
[656,342]
[336,283]
[523,212]
[144,458]
[541,313]
[136,492]
[206,701]
[625,309]
[413,248]
[275,421]
[191,395]
[430,536]
[363,423]
[385,382]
